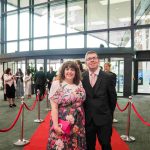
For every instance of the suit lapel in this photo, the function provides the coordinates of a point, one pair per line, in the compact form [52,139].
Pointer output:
[98,81]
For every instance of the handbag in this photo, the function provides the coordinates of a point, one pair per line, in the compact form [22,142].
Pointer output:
[65,126]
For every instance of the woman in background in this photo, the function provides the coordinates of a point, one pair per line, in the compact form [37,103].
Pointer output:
[19,82]
[10,82]
[28,82]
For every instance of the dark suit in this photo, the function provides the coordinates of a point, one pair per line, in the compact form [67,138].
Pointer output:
[50,76]
[40,81]
[113,76]
[99,107]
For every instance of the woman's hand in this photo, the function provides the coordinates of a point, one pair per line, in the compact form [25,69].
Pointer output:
[58,130]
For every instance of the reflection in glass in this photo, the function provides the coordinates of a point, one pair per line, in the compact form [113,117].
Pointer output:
[21,65]
[144,77]
[57,42]
[120,13]
[24,45]
[12,22]
[40,63]
[12,66]
[97,40]
[54,63]
[24,24]
[117,66]
[96,15]
[40,44]
[142,39]
[57,19]
[75,41]
[30,63]
[11,47]
[75,18]
[40,21]
[120,38]
[142,12]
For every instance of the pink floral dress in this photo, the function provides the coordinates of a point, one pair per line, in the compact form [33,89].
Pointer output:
[69,99]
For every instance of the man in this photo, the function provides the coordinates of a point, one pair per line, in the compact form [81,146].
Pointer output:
[99,104]
[107,68]
[50,75]
[40,81]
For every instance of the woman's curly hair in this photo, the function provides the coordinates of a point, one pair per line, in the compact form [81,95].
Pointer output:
[73,65]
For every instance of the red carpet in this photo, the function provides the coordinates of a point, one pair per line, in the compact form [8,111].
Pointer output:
[39,138]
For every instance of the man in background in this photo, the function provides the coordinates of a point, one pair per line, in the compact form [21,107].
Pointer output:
[49,77]
[107,68]
[40,81]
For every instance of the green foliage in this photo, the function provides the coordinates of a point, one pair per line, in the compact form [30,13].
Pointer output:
[32,71]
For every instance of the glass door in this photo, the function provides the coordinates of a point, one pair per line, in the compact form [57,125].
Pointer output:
[144,77]
[117,66]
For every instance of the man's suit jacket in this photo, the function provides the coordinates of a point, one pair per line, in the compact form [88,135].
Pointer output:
[100,100]
[40,78]
[113,77]
[51,75]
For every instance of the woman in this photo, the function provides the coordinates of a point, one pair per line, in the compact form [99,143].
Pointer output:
[66,97]
[19,82]
[10,83]
[28,83]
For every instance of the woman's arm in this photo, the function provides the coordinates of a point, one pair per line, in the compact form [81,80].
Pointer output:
[54,113]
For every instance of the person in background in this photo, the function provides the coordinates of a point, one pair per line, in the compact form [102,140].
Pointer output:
[19,81]
[107,68]
[40,81]
[100,103]
[10,82]
[4,86]
[49,77]
[28,82]
[67,96]
[79,64]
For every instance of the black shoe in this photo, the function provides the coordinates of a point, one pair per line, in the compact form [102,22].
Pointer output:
[10,105]
[14,105]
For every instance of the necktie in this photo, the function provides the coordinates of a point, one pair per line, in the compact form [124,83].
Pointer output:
[93,79]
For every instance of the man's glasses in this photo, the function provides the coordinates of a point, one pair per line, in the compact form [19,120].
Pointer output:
[91,58]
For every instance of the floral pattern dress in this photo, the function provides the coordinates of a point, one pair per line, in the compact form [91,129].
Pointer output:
[69,99]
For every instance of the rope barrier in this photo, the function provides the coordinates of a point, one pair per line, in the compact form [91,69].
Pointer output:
[123,108]
[139,116]
[22,141]
[15,121]
[44,96]
[32,107]
[38,99]
[127,137]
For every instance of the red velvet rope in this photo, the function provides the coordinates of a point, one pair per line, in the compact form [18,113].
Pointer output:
[123,108]
[139,116]
[32,107]
[16,119]
[42,97]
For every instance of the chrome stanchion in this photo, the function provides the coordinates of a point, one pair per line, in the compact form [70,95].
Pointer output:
[38,120]
[22,141]
[127,137]
[47,101]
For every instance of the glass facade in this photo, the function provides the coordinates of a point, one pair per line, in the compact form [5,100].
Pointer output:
[94,22]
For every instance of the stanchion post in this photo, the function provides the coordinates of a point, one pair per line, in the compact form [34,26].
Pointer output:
[22,141]
[47,101]
[127,137]
[38,120]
